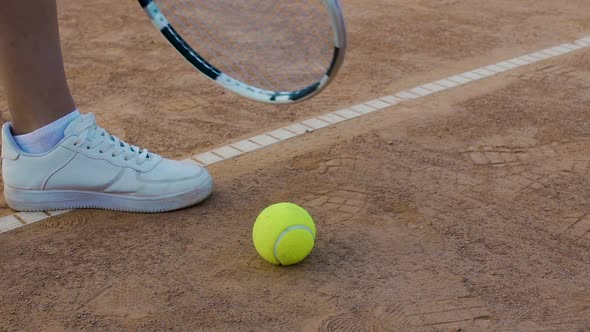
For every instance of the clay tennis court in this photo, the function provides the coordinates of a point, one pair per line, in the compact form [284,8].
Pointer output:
[464,210]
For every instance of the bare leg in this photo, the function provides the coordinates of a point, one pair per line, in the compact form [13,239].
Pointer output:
[31,65]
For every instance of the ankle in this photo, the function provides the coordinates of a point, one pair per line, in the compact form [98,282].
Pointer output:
[23,124]
[45,138]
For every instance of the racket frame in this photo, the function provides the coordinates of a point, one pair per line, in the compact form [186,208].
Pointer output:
[241,88]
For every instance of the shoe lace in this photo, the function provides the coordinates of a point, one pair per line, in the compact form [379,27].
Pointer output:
[96,137]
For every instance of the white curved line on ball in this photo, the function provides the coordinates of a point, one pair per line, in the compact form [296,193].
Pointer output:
[284,233]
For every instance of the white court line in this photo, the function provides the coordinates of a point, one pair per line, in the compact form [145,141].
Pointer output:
[251,144]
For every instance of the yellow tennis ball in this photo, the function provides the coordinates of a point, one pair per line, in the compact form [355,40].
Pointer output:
[284,234]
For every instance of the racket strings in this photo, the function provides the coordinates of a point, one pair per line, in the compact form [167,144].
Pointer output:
[205,38]
[210,40]
[229,58]
[298,51]
[277,45]
[251,28]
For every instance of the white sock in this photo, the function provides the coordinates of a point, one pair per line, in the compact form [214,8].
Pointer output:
[44,139]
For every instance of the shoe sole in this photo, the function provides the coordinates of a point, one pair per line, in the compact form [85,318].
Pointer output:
[51,200]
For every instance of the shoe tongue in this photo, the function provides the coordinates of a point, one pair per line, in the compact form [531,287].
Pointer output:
[81,123]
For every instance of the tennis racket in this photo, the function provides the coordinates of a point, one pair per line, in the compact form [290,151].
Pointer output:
[273,51]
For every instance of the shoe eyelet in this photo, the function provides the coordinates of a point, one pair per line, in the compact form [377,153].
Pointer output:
[87,148]
[100,151]
[112,155]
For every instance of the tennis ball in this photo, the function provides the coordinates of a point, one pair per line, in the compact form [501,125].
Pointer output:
[284,234]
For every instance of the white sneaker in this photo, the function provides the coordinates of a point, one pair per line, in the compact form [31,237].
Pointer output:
[91,169]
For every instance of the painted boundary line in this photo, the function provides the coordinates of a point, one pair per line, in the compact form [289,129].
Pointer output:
[232,150]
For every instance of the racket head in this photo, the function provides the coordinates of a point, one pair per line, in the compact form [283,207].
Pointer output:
[306,80]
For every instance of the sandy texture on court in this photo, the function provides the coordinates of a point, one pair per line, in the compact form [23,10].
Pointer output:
[465,211]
